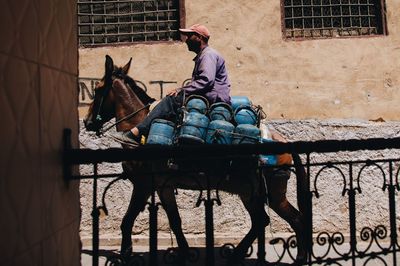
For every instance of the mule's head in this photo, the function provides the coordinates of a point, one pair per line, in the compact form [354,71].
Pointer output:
[102,108]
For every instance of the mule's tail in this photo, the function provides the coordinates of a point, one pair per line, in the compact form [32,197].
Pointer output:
[302,184]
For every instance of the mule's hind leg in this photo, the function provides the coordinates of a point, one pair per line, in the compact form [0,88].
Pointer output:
[277,185]
[259,219]
[136,205]
[168,201]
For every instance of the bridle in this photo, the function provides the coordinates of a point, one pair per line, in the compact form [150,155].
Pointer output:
[98,117]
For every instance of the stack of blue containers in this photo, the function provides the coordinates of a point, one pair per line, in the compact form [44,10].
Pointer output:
[161,132]
[217,128]
[246,131]
[268,159]
[195,122]
[220,129]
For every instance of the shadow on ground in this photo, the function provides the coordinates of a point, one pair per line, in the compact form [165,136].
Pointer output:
[169,256]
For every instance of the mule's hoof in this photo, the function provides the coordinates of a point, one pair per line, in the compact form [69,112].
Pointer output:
[178,256]
[235,259]
[300,260]
[235,262]
[126,252]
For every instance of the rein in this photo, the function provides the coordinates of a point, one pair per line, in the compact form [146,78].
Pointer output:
[102,131]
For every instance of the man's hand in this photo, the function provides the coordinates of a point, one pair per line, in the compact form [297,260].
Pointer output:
[173,92]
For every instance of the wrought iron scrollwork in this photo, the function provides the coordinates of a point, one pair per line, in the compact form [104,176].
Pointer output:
[118,260]
[287,244]
[329,165]
[369,163]
[373,259]
[397,179]
[172,256]
[226,250]
[373,236]
[103,208]
[332,242]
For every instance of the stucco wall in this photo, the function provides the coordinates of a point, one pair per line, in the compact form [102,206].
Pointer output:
[331,78]
[40,212]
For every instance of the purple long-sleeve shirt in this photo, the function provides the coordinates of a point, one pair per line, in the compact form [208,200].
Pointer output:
[210,77]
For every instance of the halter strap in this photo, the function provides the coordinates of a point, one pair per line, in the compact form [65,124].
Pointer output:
[102,131]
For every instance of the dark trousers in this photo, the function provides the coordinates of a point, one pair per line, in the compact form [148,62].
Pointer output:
[168,108]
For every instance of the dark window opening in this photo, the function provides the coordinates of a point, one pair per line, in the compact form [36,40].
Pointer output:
[310,19]
[123,21]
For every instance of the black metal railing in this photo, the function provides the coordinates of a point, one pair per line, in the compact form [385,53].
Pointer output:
[356,243]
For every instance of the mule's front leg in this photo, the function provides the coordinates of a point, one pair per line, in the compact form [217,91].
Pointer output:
[136,205]
[259,220]
[277,185]
[168,201]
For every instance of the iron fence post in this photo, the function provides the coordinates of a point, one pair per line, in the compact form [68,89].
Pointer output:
[352,216]
[308,214]
[392,211]
[95,224]
[153,208]
[261,230]
[208,204]
[261,241]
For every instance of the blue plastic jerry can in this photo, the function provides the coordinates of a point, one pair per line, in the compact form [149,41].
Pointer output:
[270,159]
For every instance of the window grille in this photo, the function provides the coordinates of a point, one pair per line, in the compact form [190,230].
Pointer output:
[305,19]
[118,21]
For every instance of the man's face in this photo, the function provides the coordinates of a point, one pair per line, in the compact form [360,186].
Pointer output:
[193,42]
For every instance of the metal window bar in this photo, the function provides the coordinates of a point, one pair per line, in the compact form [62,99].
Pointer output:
[158,26]
[91,26]
[107,22]
[144,18]
[117,6]
[332,18]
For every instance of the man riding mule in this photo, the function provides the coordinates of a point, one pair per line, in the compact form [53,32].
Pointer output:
[209,79]
[117,95]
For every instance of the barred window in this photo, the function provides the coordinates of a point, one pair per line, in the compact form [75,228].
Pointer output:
[307,19]
[118,21]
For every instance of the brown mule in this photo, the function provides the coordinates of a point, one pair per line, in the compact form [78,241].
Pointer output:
[117,95]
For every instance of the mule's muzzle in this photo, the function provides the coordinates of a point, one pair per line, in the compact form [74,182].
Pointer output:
[90,125]
[93,127]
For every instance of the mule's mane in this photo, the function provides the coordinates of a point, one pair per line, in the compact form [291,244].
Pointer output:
[140,93]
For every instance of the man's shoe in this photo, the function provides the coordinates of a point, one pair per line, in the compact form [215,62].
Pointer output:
[125,138]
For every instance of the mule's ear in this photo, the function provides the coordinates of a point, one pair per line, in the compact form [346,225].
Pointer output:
[109,66]
[125,69]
